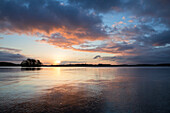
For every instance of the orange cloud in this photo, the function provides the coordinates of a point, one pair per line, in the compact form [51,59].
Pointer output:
[123,18]
[130,21]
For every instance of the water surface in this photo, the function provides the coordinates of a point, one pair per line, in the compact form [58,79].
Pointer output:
[85,90]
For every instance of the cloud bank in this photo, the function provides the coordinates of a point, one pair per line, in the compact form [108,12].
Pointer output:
[11,57]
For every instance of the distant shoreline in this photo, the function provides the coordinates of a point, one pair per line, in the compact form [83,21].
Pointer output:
[89,65]
[105,65]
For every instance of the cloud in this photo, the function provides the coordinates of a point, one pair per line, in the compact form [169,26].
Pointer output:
[72,62]
[123,18]
[96,57]
[108,58]
[11,55]
[118,23]
[159,55]
[110,47]
[161,39]
[139,30]
[7,56]
[58,40]
[10,49]
[150,38]
[130,21]
[158,9]
[98,5]
[49,17]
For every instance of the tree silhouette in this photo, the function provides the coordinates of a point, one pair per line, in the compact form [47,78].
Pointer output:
[31,62]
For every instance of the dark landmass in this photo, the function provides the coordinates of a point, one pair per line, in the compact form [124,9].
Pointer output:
[87,65]
[106,65]
[8,64]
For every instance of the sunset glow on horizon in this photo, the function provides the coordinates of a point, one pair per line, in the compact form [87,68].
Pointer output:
[57,62]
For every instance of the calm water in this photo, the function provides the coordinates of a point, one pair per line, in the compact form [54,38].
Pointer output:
[85,90]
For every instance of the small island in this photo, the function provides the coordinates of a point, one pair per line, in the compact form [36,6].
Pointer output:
[31,63]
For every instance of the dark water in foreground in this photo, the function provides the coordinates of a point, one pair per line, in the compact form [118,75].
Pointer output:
[85,90]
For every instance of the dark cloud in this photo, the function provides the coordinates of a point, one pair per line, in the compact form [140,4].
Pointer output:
[72,62]
[7,56]
[10,49]
[47,17]
[98,56]
[145,7]
[150,56]
[98,5]
[139,30]
[153,8]
[153,39]
[11,55]
[158,9]
[108,58]
[121,47]
[161,39]
[111,47]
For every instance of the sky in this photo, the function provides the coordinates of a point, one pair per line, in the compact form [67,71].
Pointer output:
[85,31]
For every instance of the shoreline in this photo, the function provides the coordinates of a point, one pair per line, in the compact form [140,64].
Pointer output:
[86,66]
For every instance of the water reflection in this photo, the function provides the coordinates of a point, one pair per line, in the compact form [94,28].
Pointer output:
[30,68]
[87,90]
[59,101]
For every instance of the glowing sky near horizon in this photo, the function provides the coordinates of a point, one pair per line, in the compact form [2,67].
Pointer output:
[90,31]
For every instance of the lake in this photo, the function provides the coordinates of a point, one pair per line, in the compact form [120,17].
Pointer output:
[85,90]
